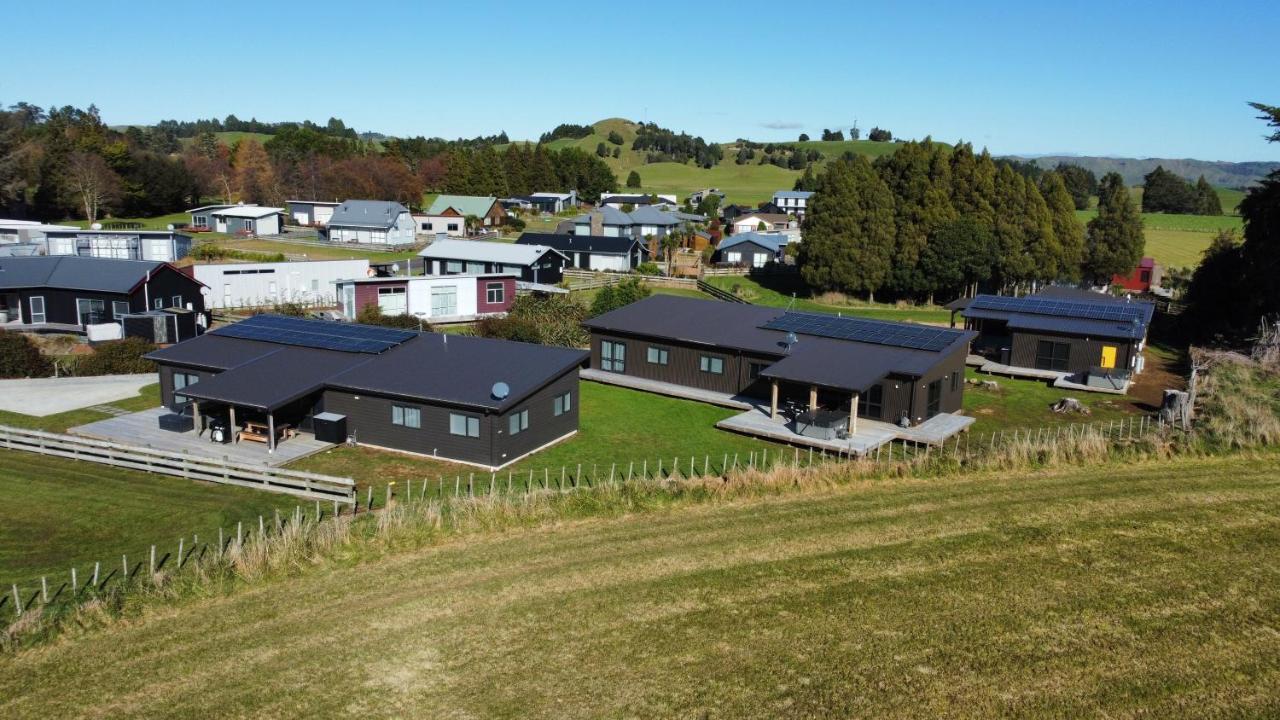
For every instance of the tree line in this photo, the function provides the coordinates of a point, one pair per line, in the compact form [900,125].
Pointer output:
[1165,192]
[662,145]
[929,219]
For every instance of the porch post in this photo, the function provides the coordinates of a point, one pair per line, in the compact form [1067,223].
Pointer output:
[853,415]
[233,429]
[195,411]
[271,432]
[773,403]
[813,398]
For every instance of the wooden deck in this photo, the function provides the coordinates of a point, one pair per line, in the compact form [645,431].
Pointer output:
[142,428]
[756,422]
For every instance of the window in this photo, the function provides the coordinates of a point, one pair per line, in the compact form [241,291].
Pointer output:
[657,355]
[453,266]
[176,300]
[444,301]
[494,293]
[1052,355]
[518,422]
[182,380]
[37,309]
[453,227]
[733,257]
[200,221]
[475,268]
[871,402]
[955,381]
[226,295]
[755,368]
[464,425]
[935,398]
[158,303]
[315,284]
[119,308]
[90,311]
[563,404]
[405,416]
[613,356]
[713,365]
[759,259]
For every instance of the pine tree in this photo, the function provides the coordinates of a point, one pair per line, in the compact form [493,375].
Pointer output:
[848,230]
[1207,200]
[1114,240]
[973,184]
[1066,228]
[1013,261]
[516,167]
[906,173]
[542,172]
[633,179]
[1043,248]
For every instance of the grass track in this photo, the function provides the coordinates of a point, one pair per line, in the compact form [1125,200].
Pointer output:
[1107,591]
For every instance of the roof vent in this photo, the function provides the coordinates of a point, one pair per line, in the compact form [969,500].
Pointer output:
[96,226]
[500,391]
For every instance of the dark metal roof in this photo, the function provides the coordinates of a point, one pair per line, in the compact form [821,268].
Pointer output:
[1067,313]
[565,243]
[74,272]
[713,323]
[213,352]
[275,379]
[852,367]
[1074,326]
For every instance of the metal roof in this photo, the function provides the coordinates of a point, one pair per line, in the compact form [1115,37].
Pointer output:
[275,379]
[485,251]
[247,211]
[1073,326]
[608,215]
[464,204]
[75,272]
[774,242]
[649,215]
[600,244]
[798,194]
[367,213]
[316,334]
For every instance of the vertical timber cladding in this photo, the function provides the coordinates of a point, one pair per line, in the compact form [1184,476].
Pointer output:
[166,381]
[684,364]
[544,425]
[1085,352]
[369,421]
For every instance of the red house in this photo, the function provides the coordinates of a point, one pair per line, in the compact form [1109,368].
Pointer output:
[433,298]
[1145,276]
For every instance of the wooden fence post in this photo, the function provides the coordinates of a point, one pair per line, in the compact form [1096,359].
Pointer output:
[153,560]
[75,587]
[96,566]
[17,600]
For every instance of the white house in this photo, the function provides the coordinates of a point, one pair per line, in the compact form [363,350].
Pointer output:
[376,222]
[793,202]
[240,219]
[772,222]
[554,202]
[235,285]
[448,214]
[153,245]
[617,200]
[433,298]
[311,213]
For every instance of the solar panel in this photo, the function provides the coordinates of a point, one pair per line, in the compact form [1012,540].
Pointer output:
[319,334]
[1084,310]
[877,332]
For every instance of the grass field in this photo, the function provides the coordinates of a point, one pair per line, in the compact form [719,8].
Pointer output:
[231,137]
[60,512]
[1178,240]
[1118,591]
[776,291]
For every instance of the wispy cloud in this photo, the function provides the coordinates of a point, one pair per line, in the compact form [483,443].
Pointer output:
[782,125]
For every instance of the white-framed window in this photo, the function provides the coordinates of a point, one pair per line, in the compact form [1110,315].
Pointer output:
[709,364]
[495,293]
[518,422]
[226,295]
[613,356]
[759,259]
[563,404]
[393,300]
[733,257]
[444,301]
[158,303]
[464,425]
[475,268]
[37,309]
[200,220]
[406,416]
[89,311]
[176,300]
[656,355]
[119,308]
[453,266]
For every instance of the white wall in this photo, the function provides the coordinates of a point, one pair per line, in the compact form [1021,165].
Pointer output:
[230,286]
[420,293]
[440,224]
[609,262]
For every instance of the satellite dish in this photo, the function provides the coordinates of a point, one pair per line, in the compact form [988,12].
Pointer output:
[395,268]
[500,391]
[96,226]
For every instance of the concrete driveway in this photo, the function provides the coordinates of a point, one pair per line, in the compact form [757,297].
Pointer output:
[50,396]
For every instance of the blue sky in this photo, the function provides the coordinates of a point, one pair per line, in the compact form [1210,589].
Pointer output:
[1143,79]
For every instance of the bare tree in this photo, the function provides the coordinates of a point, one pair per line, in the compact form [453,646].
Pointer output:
[96,186]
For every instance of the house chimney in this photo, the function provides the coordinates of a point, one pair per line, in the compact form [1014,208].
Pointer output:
[597,223]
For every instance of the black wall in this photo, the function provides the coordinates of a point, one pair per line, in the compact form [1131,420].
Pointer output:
[550,275]
[684,363]
[60,304]
[1085,352]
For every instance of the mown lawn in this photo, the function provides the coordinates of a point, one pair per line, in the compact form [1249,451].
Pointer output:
[1115,591]
[777,291]
[1025,404]
[58,513]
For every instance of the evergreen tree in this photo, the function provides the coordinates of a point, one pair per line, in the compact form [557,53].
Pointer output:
[1068,231]
[1207,200]
[848,230]
[1009,203]
[1166,192]
[973,184]
[906,173]
[515,163]
[1081,183]
[1043,248]
[542,172]
[807,181]
[633,179]
[960,254]
[1114,239]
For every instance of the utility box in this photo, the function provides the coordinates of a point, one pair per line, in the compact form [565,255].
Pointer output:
[330,427]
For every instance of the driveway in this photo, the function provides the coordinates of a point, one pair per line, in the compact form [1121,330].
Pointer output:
[50,396]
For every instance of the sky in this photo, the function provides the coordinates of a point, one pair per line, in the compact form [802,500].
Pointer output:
[1168,79]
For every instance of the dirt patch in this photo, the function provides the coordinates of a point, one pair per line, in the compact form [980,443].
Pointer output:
[1161,372]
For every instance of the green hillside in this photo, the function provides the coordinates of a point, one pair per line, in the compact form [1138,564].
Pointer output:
[231,138]
[1119,591]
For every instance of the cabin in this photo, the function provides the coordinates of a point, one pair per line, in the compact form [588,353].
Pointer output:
[448,214]
[251,285]
[1146,275]
[431,298]
[530,263]
[310,213]
[593,252]
[899,373]
[463,399]
[1074,338]
[371,222]
[153,245]
[69,293]
[751,249]
[248,220]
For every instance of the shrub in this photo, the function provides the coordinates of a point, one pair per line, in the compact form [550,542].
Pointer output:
[549,320]
[612,297]
[118,357]
[633,179]
[515,223]
[373,315]
[20,358]
[210,251]
[291,309]
[649,268]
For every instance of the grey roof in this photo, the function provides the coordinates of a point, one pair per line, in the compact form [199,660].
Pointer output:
[213,352]
[798,194]
[840,364]
[1076,326]
[276,378]
[649,215]
[1067,312]
[599,244]
[767,241]
[367,213]
[74,272]
[610,216]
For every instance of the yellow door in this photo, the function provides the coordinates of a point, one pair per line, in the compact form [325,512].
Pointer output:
[1108,356]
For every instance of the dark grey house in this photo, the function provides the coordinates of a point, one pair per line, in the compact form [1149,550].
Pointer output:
[530,263]
[593,252]
[890,370]
[464,399]
[69,292]
[1084,337]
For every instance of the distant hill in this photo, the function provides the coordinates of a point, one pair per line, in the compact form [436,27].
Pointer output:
[1220,174]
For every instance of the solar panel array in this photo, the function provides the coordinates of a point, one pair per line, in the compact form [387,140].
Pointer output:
[1113,311]
[914,337]
[319,334]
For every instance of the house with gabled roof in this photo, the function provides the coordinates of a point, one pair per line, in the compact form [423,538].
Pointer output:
[593,252]
[371,222]
[751,249]
[794,202]
[448,214]
[531,263]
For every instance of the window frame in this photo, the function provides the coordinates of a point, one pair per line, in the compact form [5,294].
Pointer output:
[613,356]
[662,354]
[115,309]
[1051,360]
[706,363]
[562,404]
[490,288]
[518,422]
[405,412]
[43,314]
[470,425]
[871,402]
